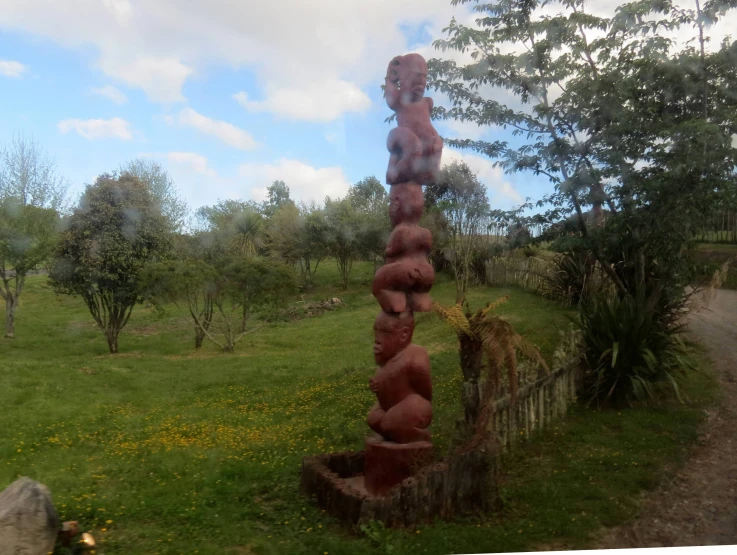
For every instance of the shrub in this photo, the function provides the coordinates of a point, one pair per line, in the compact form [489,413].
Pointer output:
[571,277]
[632,346]
[479,260]
[116,230]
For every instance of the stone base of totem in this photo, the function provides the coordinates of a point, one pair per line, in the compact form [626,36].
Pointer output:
[464,484]
[387,464]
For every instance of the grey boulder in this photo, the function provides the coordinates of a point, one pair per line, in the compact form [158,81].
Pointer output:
[29,523]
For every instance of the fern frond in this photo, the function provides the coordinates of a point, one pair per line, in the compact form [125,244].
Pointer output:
[494,305]
[455,317]
[531,352]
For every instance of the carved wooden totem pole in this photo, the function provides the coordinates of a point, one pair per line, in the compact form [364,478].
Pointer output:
[402,383]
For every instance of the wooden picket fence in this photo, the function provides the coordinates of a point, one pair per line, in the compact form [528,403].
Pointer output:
[721,228]
[540,402]
[525,272]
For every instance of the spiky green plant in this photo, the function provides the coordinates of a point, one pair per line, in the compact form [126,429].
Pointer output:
[570,277]
[248,233]
[631,347]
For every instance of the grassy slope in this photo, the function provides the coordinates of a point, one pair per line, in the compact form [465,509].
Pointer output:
[162,449]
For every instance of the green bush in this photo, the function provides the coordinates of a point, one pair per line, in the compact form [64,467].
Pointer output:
[631,347]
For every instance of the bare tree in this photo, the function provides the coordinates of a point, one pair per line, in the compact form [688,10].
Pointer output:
[461,198]
[156,178]
[29,175]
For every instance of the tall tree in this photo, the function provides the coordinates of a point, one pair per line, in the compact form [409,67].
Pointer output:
[613,116]
[157,179]
[343,233]
[285,233]
[192,283]
[371,202]
[461,199]
[245,286]
[277,196]
[114,232]
[212,217]
[32,193]
[239,224]
[27,237]
[369,196]
[316,240]
[297,235]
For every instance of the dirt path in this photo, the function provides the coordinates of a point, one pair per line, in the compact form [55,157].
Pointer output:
[699,507]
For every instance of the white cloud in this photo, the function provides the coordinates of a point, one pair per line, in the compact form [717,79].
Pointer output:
[111,93]
[195,161]
[293,45]
[304,181]
[161,78]
[194,178]
[328,51]
[121,10]
[9,68]
[734,141]
[226,132]
[489,175]
[93,129]
[320,102]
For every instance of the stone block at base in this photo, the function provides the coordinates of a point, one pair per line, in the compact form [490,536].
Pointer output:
[29,523]
[388,464]
[463,484]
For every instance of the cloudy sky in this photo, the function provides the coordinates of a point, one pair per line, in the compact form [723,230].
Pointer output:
[228,96]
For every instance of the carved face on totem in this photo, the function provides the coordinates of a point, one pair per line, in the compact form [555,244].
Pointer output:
[412,74]
[392,334]
[405,204]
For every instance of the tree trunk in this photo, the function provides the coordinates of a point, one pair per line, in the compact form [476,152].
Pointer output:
[11,303]
[343,267]
[306,272]
[199,335]
[471,354]
[112,340]
[460,275]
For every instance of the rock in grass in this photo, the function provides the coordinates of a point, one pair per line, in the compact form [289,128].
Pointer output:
[29,523]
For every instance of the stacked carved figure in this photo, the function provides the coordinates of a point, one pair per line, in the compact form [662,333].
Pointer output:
[402,383]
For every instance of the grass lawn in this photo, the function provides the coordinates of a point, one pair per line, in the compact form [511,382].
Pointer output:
[164,449]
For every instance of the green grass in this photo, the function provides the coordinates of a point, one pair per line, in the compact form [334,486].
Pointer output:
[717,247]
[162,449]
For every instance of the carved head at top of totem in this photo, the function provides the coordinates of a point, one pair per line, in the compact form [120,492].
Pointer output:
[392,334]
[409,74]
